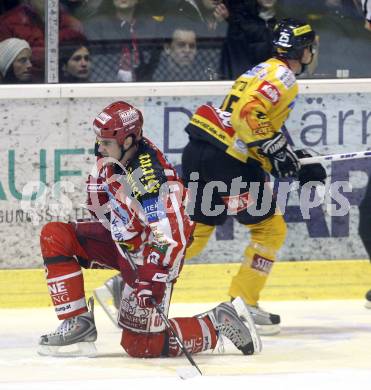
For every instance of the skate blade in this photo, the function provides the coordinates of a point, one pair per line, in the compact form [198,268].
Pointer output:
[104,297]
[268,330]
[83,349]
[187,372]
[243,312]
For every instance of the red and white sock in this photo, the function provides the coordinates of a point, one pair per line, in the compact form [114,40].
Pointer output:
[197,334]
[66,288]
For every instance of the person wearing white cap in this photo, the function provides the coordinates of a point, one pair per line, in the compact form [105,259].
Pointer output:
[15,61]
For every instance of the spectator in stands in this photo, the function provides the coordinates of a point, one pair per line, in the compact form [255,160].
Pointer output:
[249,35]
[157,9]
[212,13]
[125,43]
[211,17]
[15,61]
[74,61]
[27,22]
[180,59]
[81,9]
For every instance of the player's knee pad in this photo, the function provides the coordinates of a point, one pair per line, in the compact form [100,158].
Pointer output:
[201,237]
[143,345]
[57,239]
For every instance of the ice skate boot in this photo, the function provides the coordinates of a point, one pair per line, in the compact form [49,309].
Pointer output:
[74,336]
[368,300]
[266,323]
[227,322]
[109,296]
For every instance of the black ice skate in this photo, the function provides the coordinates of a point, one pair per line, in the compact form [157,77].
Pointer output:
[267,324]
[227,322]
[109,296]
[74,336]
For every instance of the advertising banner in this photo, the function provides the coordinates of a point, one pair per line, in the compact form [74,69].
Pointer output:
[47,153]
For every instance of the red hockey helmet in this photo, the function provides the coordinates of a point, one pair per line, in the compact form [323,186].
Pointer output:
[118,121]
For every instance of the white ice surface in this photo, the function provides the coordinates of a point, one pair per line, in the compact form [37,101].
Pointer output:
[322,345]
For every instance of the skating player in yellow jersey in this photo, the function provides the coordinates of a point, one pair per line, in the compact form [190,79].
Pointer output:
[242,140]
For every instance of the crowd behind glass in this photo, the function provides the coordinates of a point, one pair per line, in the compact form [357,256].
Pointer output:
[174,40]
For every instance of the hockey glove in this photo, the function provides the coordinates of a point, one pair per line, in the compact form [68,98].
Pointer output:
[150,285]
[284,161]
[310,172]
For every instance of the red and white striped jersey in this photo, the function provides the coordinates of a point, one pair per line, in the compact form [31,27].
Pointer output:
[143,205]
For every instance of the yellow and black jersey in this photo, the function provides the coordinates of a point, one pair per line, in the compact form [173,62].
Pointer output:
[255,109]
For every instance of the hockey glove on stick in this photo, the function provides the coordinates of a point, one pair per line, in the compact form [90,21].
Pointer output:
[284,161]
[310,172]
[151,285]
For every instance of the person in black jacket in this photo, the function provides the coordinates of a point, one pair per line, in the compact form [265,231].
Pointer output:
[212,14]
[249,35]
[125,42]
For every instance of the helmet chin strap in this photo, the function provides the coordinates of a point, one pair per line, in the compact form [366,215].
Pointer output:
[304,66]
[123,151]
[303,69]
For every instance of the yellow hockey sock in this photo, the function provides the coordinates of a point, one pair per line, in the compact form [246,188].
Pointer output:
[201,237]
[267,237]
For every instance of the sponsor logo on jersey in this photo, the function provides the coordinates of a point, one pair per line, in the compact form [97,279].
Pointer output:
[240,146]
[96,188]
[258,70]
[159,236]
[153,258]
[262,129]
[115,230]
[286,77]
[103,118]
[149,180]
[262,264]
[269,91]
[264,125]
[131,178]
[224,116]
[153,210]
[237,203]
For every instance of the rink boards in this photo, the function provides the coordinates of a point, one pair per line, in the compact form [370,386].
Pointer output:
[48,151]
[305,280]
